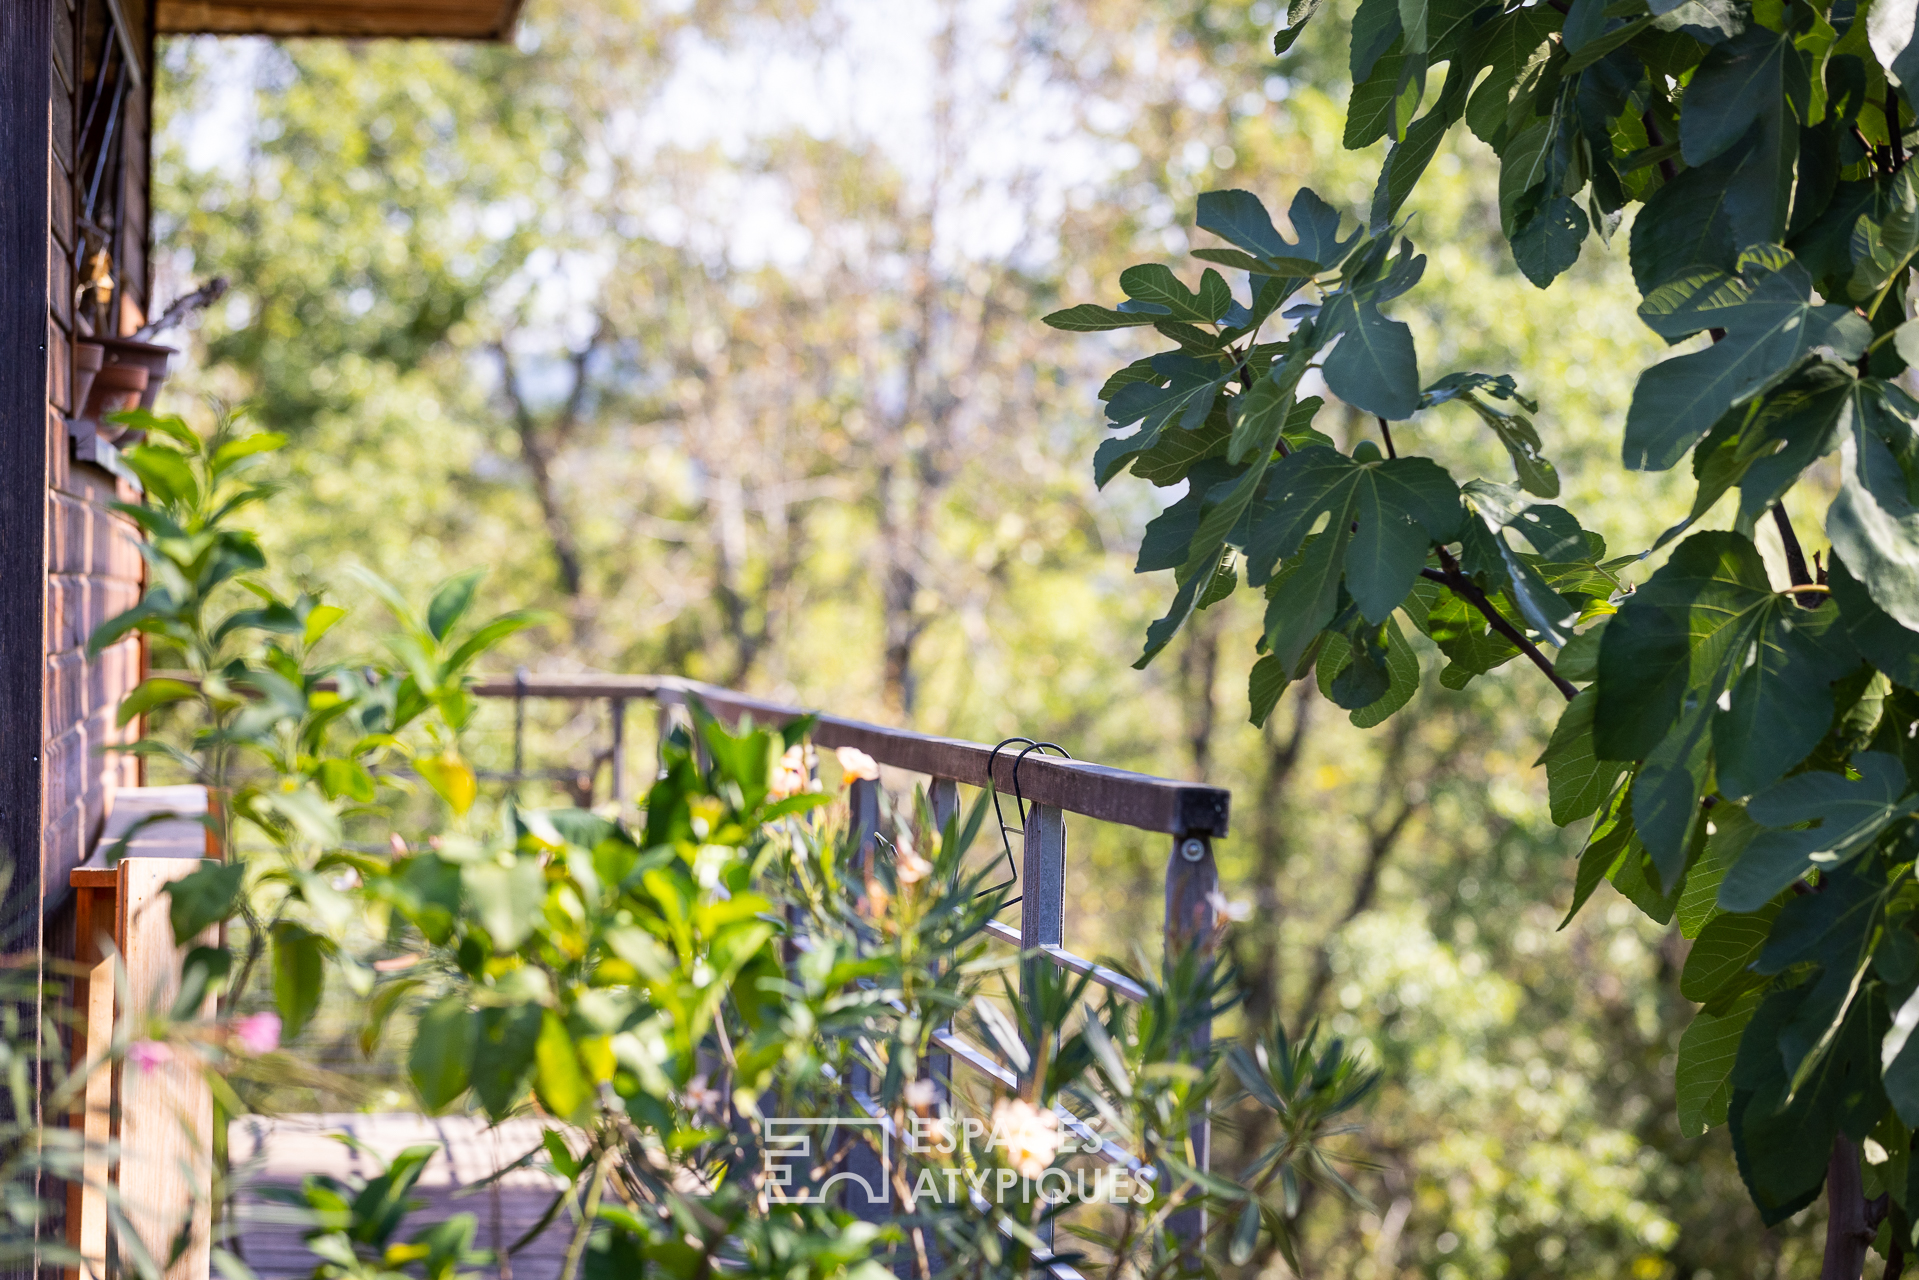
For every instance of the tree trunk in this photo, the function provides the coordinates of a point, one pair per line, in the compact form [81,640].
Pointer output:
[1847,1235]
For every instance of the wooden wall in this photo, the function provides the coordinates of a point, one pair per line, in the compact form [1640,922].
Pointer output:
[93,566]
[66,561]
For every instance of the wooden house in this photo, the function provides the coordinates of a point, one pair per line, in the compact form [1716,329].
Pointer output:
[76,119]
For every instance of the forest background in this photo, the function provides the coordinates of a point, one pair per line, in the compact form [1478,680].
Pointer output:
[713,328]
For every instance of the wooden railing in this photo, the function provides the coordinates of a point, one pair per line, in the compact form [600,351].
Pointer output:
[1192,816]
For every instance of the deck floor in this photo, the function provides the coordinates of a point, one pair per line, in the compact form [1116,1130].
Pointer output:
[282,1150]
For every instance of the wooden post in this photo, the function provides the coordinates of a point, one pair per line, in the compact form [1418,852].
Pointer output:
[1042,916]
[943,795]
[617,708]
[863,804]
[160,1115]
[1042,879]
[166,1112]
[863,807]
[96,915]
[1192,920]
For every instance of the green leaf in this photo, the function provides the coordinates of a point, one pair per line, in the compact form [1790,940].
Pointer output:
[299,974]
[1703,1078]
[1400,506]
[233,451]
[1849,814]
[1782,1134]
[1266,682]
[1547,242]
[1245,1234]
[1738,82]
[451,599]
[1728,831]
[203,898]
[155,691]
[1770,325]
[1883,247]
[1891,648]
[164,473]
[1873,523]
[346,778]
[1155,284]
[442,1048]
[1684,224]
[1687,634]
[139,419]
[1088,318]
[1899,1060]
[503,1055]
[1240,218]
[1723,954]
[1577,781]
[488,637]
[1374,368]
[1398,669]
[1610,842]
[563,1085]
[506,899]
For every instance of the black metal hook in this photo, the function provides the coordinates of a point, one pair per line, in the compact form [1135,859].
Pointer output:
[1019,799]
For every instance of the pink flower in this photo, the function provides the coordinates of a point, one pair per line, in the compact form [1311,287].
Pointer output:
[149,1055]
[258,1032]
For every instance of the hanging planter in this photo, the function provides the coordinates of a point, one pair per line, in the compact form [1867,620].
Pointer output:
[150,356]
[87,359]
[115,387]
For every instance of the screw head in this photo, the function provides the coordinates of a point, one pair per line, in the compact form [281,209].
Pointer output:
[1192,848]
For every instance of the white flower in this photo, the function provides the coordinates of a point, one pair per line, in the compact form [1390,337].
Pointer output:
[1237,910]
[855,763]
[907,863]
[1029,1136]
[924,1095]
[791,775]
[699,1096]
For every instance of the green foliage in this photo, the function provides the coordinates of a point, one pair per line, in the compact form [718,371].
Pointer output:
[1780,226]
[352,1223]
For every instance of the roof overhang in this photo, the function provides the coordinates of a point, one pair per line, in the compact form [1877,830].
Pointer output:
[448,19]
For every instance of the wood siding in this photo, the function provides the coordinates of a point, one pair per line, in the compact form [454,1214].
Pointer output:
[460,19]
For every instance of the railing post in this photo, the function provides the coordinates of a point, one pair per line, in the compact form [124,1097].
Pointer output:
[617,709]
[943,795]
[863,806]
[1042,879]
[1042,914]
[1192,919]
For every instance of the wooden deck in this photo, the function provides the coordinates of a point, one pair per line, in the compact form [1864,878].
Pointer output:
[282,1150]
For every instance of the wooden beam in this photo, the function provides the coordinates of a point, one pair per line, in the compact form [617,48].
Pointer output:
[1096,791]
[26,42]
[456,19]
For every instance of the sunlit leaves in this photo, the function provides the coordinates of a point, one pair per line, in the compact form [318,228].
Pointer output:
[1770,322]
[1847,812]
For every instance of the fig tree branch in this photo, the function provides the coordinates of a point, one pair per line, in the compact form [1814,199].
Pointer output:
[1460,583]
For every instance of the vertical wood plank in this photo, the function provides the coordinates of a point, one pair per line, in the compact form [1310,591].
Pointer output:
[1042,879]
[616,707]
[166,1112]
[863,808]
[26,35]
[1192,921]
[95,913]
[943,796]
